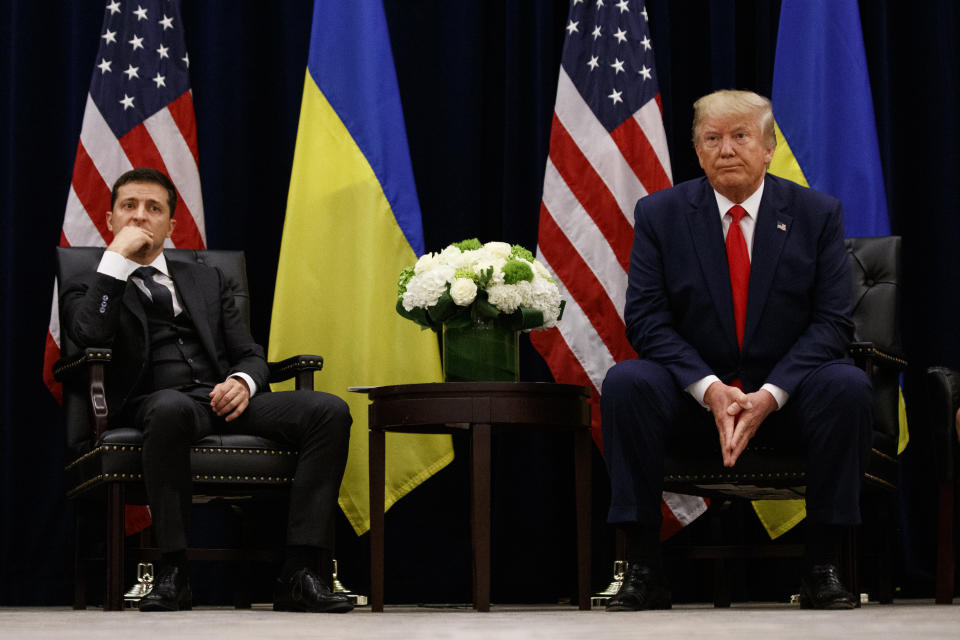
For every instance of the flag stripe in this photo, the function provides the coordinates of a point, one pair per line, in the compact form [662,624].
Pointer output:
[584,287]
[78,227]
[638,151]
[181,110]
[595,143]
[103,147]
[93,195]
[580,230]
[590,192]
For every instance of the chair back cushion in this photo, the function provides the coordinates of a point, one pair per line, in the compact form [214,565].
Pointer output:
[876,276]
[73,262]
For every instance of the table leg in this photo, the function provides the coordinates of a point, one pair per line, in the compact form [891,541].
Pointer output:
[116,507]
[480,516]
[376,472]
[583,450]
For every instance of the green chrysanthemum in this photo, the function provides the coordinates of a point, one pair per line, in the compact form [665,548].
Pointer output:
[467,245]
[405,277]
[515,271]
[519,252]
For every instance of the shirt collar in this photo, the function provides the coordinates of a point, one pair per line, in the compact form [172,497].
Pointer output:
[159,263]
[751,205]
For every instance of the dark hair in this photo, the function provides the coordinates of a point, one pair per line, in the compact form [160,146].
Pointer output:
[146,175]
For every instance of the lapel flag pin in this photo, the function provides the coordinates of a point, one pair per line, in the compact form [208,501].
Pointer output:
[782,226]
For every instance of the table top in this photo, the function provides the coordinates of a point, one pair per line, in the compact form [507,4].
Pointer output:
[444,406]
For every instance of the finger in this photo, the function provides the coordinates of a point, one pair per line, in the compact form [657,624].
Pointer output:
[241,407]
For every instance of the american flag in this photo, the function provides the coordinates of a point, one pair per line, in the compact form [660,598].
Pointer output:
[139,113]
[608,149]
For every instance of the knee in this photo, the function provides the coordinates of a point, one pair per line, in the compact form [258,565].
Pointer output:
[167,412]
[331,413]
[634,377]
[846,387]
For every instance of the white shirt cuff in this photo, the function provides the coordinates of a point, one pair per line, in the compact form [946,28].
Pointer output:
[778,394]
[699,388]
[116,266]
[246,378]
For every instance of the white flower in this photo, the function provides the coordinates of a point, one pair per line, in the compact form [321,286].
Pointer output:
[424,289]
[541,270]
[463,291]
[505,297]
[498,249]
[425,263]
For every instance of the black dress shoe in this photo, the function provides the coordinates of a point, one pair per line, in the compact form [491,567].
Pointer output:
[171,591]
[305,591]
[822,589]
[642,589]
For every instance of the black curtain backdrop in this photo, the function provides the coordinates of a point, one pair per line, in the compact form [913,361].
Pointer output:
[477,81]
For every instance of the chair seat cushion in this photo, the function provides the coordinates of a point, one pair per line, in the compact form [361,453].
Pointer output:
[214,459]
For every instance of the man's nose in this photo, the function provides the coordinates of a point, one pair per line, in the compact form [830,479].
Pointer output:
[726,146]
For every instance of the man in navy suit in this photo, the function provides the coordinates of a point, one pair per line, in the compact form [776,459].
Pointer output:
[184,365]
[737,304]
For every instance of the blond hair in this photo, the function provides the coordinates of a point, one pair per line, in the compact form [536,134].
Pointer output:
[729,102]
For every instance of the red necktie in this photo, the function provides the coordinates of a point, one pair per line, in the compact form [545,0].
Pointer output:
[739,262]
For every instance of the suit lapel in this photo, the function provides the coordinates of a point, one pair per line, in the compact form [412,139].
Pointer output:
[707,233]
[192,297]
[769,235]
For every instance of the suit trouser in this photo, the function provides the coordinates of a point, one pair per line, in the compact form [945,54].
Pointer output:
[645,414]
[316,423]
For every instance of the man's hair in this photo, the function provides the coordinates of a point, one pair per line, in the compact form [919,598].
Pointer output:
[728,102]
[146,175]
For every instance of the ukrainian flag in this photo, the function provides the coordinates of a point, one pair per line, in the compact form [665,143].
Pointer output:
[826,139]
[352,224]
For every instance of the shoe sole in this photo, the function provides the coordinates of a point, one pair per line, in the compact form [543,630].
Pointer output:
[158,606]
[836,605]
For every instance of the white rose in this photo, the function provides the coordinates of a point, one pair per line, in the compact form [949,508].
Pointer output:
[463,291]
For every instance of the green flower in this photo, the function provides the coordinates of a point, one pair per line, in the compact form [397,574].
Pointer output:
[519,252]
[467,245]
[515,271]
[467,273]
[405,277]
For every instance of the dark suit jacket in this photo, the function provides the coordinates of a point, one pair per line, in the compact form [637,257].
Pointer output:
[101,311]
[679,308]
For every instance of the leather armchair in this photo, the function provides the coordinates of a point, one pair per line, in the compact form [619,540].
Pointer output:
[103,464]
[765,473]
[943,386]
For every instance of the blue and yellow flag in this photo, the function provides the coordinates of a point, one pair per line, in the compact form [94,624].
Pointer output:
[352,224]
[826,139]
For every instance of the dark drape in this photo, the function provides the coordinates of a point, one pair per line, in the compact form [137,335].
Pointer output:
[477,82]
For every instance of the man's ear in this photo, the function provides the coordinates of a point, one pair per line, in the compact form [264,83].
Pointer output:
[173,223]
[110,220]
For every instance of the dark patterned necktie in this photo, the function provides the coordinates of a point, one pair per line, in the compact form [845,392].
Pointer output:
[158,292]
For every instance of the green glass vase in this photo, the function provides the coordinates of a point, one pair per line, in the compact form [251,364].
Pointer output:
[481,352]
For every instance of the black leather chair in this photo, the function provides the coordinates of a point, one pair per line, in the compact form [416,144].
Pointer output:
[765,473]
[103,465]
[944,400]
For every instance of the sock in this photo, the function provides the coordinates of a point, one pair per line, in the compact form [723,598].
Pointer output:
[823,544]
[643,545]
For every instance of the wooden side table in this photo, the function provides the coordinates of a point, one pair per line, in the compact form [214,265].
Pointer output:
[482,408]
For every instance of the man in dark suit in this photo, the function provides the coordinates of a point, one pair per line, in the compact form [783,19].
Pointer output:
[184,365]
[737,304]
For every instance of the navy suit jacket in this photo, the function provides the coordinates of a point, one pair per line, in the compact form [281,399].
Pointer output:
[679,307]
[101,311]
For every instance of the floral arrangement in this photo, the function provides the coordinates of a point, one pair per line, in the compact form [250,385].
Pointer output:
[469,283]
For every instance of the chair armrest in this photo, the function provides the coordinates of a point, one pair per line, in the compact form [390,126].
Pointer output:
[868,354]
[93,362]
[301,367]
[943,394]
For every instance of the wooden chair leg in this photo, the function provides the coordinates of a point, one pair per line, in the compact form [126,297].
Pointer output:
[376,471]
[113,598]
[79,573]
[945,551]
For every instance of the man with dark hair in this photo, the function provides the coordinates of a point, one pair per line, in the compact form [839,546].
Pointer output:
[184,364]
[738,301]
